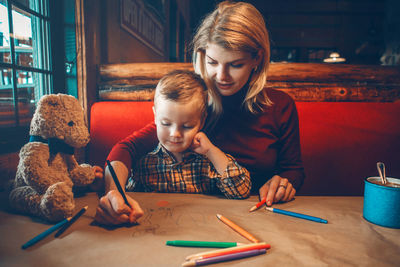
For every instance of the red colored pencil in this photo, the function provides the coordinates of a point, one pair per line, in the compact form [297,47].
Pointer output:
[259,204]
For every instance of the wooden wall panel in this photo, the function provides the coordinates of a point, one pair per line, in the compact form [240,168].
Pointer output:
[303,81]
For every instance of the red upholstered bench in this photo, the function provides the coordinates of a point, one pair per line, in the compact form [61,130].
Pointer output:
[341,141]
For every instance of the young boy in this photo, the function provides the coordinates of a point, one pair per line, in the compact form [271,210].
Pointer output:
[185,160]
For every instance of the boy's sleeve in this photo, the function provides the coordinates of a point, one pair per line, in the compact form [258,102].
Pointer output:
[235,182]
[131,149]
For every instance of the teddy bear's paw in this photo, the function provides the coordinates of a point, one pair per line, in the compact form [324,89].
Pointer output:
[25,200]
[58,202]
[82,175]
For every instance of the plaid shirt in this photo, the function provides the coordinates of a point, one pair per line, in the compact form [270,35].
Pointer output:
[158,171]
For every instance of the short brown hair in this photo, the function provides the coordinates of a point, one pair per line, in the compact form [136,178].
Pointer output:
[181,86]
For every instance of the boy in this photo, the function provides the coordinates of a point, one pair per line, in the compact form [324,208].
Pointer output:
[185,160]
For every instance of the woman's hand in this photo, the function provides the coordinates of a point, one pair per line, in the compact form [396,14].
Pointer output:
[112,210]
[277,189]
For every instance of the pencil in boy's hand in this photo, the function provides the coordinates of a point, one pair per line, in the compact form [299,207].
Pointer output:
[237,228]
[259,204]
[116,181]
[73,219]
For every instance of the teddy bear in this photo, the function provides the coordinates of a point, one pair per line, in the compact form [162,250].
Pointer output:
[47,170]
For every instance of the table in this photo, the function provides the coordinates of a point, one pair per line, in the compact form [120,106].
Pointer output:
[347,239]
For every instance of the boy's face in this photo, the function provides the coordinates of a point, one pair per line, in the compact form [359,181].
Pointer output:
[177,124]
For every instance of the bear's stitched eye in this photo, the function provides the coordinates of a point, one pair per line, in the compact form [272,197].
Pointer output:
[71,123]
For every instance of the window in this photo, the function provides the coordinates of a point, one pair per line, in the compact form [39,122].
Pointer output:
[25,63]
[317,55]
[284,54]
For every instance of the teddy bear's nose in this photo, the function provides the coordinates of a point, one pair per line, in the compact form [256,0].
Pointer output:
[71,123]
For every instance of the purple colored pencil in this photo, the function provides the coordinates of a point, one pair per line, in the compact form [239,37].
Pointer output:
[228,257]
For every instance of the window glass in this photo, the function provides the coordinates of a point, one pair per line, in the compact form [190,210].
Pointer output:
[38,6]
[41,44]
[31,40]
[7,112]
[5,52]
[22,28]
[27,95]
[284,54]
[24,52]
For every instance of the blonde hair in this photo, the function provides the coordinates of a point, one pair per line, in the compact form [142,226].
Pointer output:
[238,27]
[182,86]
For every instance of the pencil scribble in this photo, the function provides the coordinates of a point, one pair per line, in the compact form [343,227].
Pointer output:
[156,220]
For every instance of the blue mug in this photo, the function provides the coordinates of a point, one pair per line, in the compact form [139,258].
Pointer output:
[382,202]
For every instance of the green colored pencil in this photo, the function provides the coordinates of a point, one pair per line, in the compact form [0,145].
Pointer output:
[205,244]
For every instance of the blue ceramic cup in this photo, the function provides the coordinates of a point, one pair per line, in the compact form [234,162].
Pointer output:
[382,203]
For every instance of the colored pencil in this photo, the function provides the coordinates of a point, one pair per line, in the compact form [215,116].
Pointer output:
[205,244]
[297,215]
[237,228]
[45,233]
[116,181]
[229,257]
[226,251]
[73,219]
[259,204]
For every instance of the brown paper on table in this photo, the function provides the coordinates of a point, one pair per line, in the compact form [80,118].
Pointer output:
[347,240]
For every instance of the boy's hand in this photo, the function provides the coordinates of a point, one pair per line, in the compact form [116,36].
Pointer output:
[112,210]
[201,144]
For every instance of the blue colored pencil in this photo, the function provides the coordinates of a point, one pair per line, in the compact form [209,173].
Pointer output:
[116,181]
[73,219]
[45,233]
[297,215]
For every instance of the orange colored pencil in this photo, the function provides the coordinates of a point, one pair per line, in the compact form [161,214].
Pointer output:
[237,228]
[225,251]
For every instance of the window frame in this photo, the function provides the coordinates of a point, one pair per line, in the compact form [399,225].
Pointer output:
[13,137]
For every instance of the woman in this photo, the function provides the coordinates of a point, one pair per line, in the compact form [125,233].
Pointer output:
[258,126]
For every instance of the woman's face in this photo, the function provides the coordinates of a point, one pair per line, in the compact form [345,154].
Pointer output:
[229,70]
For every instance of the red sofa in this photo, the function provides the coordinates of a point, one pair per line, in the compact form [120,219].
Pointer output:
[341,141]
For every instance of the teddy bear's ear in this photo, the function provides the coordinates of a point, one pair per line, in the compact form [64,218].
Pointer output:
[47,110]
[49,102]
[53,102]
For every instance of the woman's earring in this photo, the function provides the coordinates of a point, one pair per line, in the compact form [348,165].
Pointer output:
[255,68]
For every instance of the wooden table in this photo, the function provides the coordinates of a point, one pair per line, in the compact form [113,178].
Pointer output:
[347,239]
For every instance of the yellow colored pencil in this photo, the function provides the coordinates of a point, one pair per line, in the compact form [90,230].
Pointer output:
[237,228]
